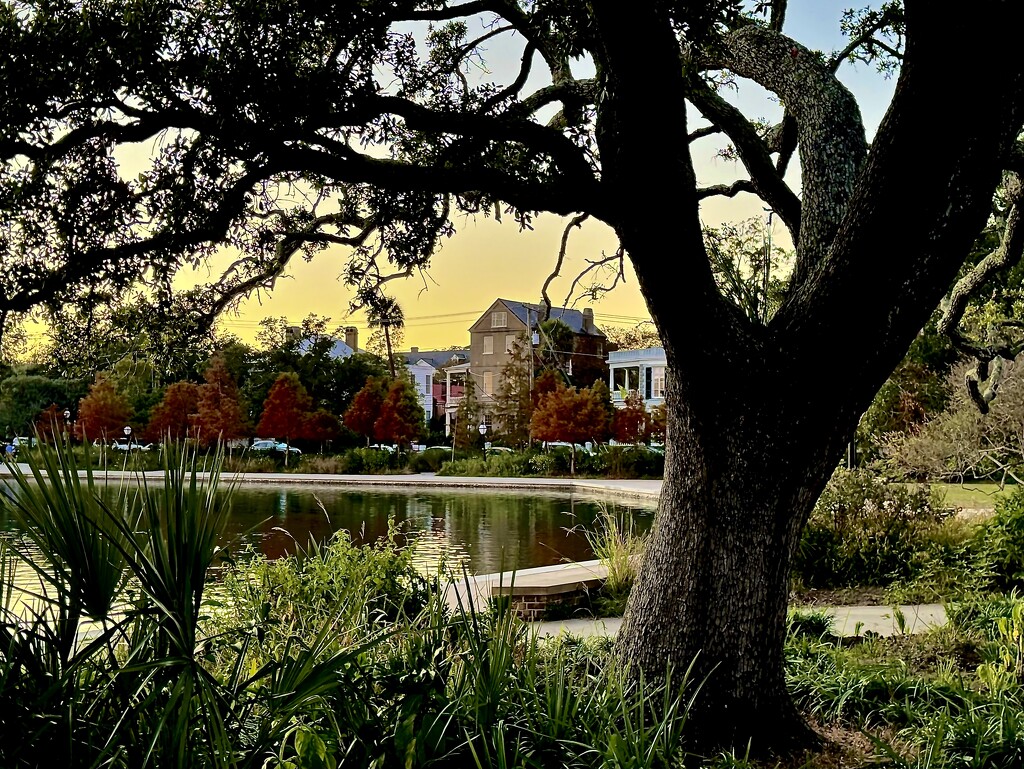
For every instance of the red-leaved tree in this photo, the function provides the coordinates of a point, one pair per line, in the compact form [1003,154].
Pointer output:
[173,416]
[103,413]
[286,410]
[323,426]
[568,414]
[219,411]
[632,423]
[362,413]
[401,418]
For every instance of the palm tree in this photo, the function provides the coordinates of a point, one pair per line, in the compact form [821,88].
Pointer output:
[384,312]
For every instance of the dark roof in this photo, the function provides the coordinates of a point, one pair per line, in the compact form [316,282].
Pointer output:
[436,358]
[530,314]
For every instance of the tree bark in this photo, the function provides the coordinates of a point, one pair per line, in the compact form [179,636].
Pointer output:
[713,588]
[759,416]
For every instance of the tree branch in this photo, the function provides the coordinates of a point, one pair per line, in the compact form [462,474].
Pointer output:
[765,182]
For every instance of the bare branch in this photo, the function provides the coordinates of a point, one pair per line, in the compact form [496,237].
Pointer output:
[595,290]
[576,222]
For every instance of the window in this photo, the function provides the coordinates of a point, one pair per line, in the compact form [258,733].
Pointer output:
[510,343]
[488,383]
[488,345]
[499,319]
[626,378]
[658,382]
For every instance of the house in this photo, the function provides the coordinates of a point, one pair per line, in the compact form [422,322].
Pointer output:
[341,349]
[424,366]
[494,334]
[641,371]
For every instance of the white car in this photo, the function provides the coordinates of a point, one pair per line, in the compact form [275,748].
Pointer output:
[122,444]
[266,445]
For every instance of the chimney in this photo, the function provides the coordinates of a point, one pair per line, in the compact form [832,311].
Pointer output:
[588,320]
[352,337]
[414,350]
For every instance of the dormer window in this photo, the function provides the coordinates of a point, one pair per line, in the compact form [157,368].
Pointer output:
[499,319]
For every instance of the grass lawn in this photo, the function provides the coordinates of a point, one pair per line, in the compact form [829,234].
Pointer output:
[972,496]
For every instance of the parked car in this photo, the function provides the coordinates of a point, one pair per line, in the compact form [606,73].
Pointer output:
[383,447]
[270,445]
[23,441]
[586,449]
[127,444]
[499,450]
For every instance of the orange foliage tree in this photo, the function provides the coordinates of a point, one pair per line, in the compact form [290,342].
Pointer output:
[362,413]
[287,409]
[401,419]
[173,416]
[103,412]
[568,414]
[219,411]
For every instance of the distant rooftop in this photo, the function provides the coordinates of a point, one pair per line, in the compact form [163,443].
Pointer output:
[436,358]
[530,314]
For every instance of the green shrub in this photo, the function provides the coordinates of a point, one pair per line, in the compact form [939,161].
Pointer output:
[1000,542]
[370,461]
[319,463]
[865,531]
[632,462]
[429,461]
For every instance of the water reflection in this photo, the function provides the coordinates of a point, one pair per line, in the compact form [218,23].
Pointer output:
[487,530]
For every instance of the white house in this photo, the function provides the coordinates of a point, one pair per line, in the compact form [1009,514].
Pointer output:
[423,365]
[640,371]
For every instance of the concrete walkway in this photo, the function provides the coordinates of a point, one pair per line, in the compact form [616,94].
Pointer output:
[849,621]
[649,489]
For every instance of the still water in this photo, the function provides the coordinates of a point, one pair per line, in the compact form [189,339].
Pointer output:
[488,530]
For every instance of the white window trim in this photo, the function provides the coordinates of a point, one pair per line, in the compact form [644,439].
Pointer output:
[499,315]
[488,343]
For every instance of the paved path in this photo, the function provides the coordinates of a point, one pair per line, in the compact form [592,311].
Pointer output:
[646,489]
[849,621]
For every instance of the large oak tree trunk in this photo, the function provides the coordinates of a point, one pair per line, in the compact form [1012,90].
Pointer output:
[714,585]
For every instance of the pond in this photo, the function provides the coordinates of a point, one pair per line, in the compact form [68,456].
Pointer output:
[488,530]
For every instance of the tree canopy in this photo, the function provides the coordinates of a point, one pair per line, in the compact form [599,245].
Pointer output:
[282,129]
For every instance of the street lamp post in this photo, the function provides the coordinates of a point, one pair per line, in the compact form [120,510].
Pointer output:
[483,431]
[67,418]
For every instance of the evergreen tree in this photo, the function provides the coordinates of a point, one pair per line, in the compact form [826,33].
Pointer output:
[513,402]
[603,396]
[467,417]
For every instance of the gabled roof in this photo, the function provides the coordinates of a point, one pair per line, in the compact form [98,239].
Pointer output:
[436,358]
[531,313]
